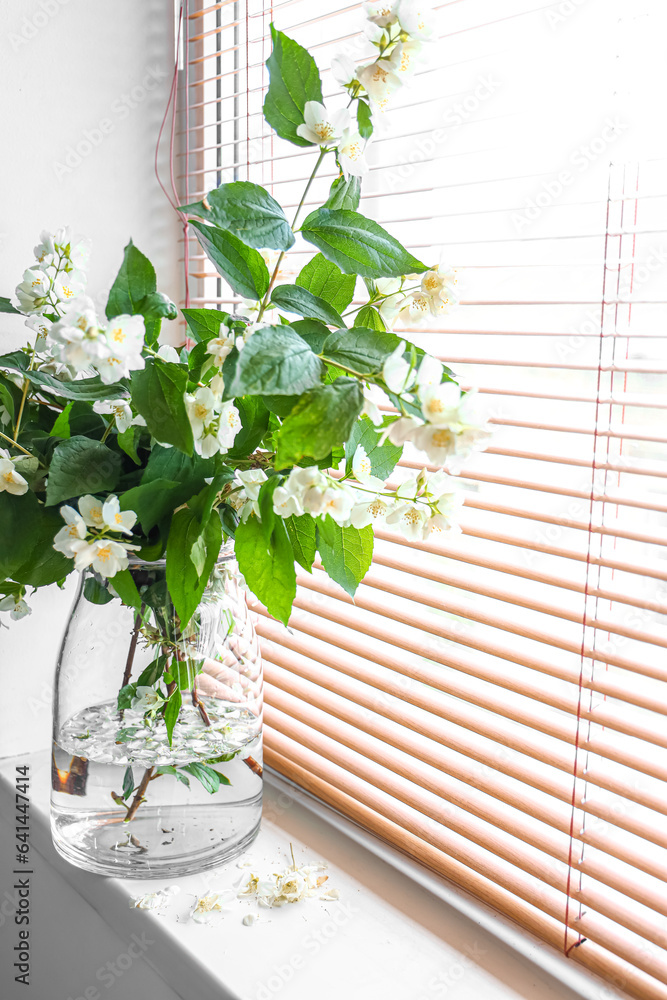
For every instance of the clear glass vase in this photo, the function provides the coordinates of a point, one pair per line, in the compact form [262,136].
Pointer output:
[125,800]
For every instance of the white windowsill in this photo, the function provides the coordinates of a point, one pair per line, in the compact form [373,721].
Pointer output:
[396,932]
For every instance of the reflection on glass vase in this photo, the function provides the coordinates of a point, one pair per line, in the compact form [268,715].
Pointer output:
[157,738]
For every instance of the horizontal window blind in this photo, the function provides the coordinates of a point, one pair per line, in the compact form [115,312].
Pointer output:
[493,703]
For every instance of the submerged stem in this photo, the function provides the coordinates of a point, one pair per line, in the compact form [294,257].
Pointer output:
[139,794]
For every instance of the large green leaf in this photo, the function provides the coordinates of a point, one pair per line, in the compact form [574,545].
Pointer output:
[370,318]
[27,554]
[313,332]
[124,585]
[248,211]
[7,307]
[186,535]
[361,350]
[295,299]
[324,278]
[152,501]
[358,245]
[84,389]
[344,193]
[189,471]
[135,291]
[204,324]
[254,416]
[80,465]
[158,393]
[275,361]
[303,536]
[346,552]
[383,458]
[268,567]
[294,80]
[242,267]
[321,420]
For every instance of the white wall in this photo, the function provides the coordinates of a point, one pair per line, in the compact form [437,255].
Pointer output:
[84,86]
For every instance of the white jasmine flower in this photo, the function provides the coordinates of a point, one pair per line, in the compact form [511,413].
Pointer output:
[10,480]
[351,154]
[201,410]
[249,920]
[121,410]
[322,126]
[429,372]
[251,480]
[221,429]
[380,82]
[16,606]
[220,347]
[149,901]
[32,292]
[396,371]
[336,501]
[439,285]
[438,443]
[74,530]
[168,353]
[286,503]
[363,471]
[41,326]
[373,510]
[371,409]
[390,306]
[343,69]
[146,698]
[413,20]
[381,12]
[404,59]
[91,511]
[415,307]
[115,519]
[124,337]
[230,425]
[411,519]
[441,403]
[105,556]
[401,430]
[76,338]
[67,286]
[210,906]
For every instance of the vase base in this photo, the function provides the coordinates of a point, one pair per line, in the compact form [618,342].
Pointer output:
[155,845]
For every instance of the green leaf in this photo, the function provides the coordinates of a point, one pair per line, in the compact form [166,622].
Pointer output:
[209,778]
[61,427]
[21,521]
[151,502]
[346,553]
[7,400]
[95,591]
[358,245]
[344,194]
[295,299]
[322,419]
[242,267]
[248,211]
[364,120]
[324,278]
[81,466]
[186,585]
[313,332]
[275,361]
[294,80]
[7,307]
[204,324]
[171,711]
[128,441]
[199,361]
[85,388]
[43,565]
[371,319]
[170,769]
[125,696]
[303,536]
[383,458]
[123,735]
[135,280]
[361,350]
[268,569]
[124,585]
[158,394]
[189,471]
[153,672]
[128,783]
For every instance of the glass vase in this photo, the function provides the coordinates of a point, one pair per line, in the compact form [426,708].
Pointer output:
[157,734]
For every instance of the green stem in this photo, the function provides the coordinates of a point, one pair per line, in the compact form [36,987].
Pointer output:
[16,444]
[107,432]
[265,300]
